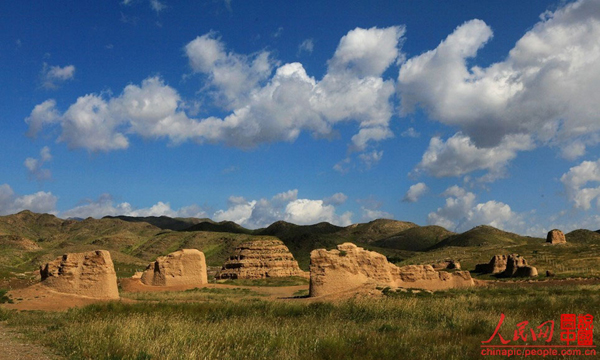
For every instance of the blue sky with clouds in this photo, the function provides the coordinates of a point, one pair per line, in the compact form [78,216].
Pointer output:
[449,113]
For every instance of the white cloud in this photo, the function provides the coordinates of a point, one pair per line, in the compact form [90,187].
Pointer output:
[575,180]
[105,206]
[458,203]
[232,75]
[40,202]
[373,214]
[370,159]
[335,199]
[367,52]
[306,46]
[410,132]
[305,212]
[157,6]
[34,166]
[42,114]
[459,155]
[291,101]
[264,107]
[91,124]
[493,213]
[415,192]
[545,88]
[371,209]
[284,206]
[287,196]
[151,110]
[460,213]
[51,76]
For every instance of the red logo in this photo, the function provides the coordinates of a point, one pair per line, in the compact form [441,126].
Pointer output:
[576,330]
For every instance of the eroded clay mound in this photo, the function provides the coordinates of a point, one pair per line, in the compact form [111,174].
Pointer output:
[185,267]
[260,259]
[496,265]
[556,237]
[447,264]
[512,265]
[350,267]
[516,266]
[90,274]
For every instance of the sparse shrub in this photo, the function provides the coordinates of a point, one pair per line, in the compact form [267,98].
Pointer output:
[3,298]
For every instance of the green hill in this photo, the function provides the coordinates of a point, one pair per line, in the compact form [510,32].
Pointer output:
[372,231]
[163,222]
[582,236]
[223,227]
[419,238]
[483,235]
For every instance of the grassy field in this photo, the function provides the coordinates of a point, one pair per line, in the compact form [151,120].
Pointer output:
[283,281]
[443,325]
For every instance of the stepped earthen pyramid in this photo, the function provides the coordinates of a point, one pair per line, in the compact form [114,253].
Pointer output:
[259,259]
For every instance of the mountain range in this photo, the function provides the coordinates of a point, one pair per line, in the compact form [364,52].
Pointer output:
[28,240]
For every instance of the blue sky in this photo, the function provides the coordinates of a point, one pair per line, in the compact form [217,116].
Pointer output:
[449,113]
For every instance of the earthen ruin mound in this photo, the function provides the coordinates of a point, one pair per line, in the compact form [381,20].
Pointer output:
[259,259]
[556,237]
[90,274]
[349,267]
[185,267]
[496,265]
[513,265]
[446,264]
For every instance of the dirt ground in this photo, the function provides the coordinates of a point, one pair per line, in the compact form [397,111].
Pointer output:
[273,292]
[39,297]
[14,347]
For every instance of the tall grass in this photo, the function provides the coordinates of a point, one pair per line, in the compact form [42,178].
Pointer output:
[444,325]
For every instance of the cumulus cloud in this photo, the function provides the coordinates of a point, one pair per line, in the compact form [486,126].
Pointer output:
[284,206]
[575,180]
[267,102]
[291,101]
[415,192]
[40,202]
[231,75]
[545,88]
[460,213]
[305,211]
[52,76]
[459,155]
[105,206]
[34,166]
[151,110]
